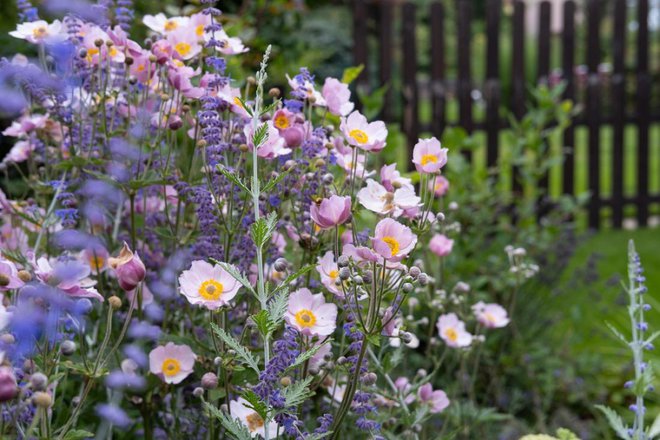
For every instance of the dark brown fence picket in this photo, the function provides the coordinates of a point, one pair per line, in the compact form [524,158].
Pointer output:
[620,97]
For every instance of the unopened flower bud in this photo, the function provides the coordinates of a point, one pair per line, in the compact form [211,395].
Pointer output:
[341,360]
[209,381]
[357,279]
[202,143]
[342,261]
[328,179]
[421,373]
[115,302]
[313,371]
[440,217]
[42,399]
[423,279]
[407,287]
[462,287]
[98,42]
[369,378]
[67,348]
[251,80]
[129,61]
[8,385]
[175,124]
[280,265]
[405,337]
[368,276]
[38,381]
[285,381]
[344,273]
[274,92]
[4,280]
[414,271]
[130,270]
[319,163]
[24,276]
[198,392]
[82,53]
[217,361]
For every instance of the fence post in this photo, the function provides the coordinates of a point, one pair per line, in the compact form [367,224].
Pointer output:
[619,110]
[518,74]
[410,92]
[360,40]
[464,82]
[568,66]
[438,80]
[643,109]
[542,75]
[492,88]
[385,49]
[593,110]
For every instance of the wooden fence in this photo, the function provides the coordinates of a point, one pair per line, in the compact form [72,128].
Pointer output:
[387,42]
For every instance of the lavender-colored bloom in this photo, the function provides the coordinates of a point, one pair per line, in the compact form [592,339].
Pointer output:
[114,415]
[143,330]
[120,380]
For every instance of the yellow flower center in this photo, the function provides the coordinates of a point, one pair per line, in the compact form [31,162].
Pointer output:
[238,102]
[429,158]
[171,367]
[199,30]
[282,122]
[182,48]
[170,25]
[333,274]
[91,52]
[178,63]
[112,51]
[39,32]
[359,136]
[96,262]
[490,318]
[451,334]
[254,422]
[211,290]
[305,318]
[141,68]
[393,244]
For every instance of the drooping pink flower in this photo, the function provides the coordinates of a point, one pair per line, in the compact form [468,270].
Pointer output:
[437,399]
[337,97]
[290,126]
[440,187]
[208,285]
[360,133]
[452,331]
[429,156]
[310,314]
[329,272]
[20,152]
[242,411]
[9,276]
[171,362]
[375,197]
[391,178]
[180,78]
[441,245]
[128,267]
[392,240]
[491,315]
[345,160]
[331,212]
[8,386]
[72,277]
[272,147]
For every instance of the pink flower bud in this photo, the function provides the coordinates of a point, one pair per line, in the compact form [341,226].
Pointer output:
[129,268]
[441,245]
[8,386]
[331,212]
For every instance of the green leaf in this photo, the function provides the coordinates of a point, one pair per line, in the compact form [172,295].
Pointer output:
[278,306]
[233,177]
[351,73]
[654,431]
[248,358]
[263,322]
[231,270]
[260,135]
[272,182]
[256,403]
[304,356]
[617,333]
[652,337]
[245,106]
[565,434]
[615,422]
[270,107]
[288,280]
[78,434]
[236,429]
[298,392]
[262,229]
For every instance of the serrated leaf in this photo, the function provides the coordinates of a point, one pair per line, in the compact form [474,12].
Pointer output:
[260,135]
[233,178]
[617,333]
[235,428]
[247,357]
[288,280]
[304,356]
[262,229]
[78,434]
[273,182]
[298,392]
[256,403]
[236,274]
[277,307]
[270,107]
[351,73]
[263,322]
[615,421]
[652,338]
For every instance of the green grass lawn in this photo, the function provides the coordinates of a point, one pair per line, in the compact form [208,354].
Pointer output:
[586,305]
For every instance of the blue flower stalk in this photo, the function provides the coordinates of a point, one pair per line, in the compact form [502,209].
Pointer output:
[639,342]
